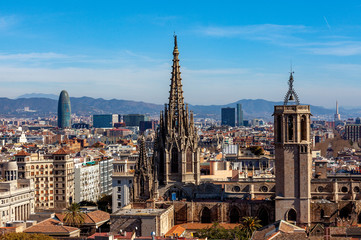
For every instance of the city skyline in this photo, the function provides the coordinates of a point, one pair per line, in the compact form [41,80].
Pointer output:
[229,52]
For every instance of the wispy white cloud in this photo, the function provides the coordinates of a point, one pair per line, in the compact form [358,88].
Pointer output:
[8,21]
[337,49]
[267,32]
[33,56]
[306,39]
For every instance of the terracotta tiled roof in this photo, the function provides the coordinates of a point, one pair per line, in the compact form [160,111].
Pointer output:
[22,153]
[94,217]
[51,227]
[61,151]
[98,216]
[195,226]
[176,229]
[128,235]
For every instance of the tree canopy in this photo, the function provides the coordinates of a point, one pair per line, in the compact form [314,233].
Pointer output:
[73,216]
[242,232]
[25,236]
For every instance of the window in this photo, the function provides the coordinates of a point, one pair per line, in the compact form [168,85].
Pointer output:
[279,128]
[174,161]
[189,160]
[236,189]
[264,189]
[290,128]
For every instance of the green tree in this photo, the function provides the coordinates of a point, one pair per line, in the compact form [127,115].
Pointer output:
[87,203]
[73,216]
[216,231]
[105,203]
[256,150]
[249,225]
[25,236]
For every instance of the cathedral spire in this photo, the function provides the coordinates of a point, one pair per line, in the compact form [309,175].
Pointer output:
[291,95]
[176,101]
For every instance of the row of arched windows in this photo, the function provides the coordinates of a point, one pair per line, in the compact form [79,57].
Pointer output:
[41,166]
[290,131]
[175,160]
[235,216]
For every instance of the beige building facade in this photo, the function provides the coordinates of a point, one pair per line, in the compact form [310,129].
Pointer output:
[53,176]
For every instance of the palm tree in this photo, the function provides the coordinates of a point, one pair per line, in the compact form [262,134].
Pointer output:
[73,216]
[249,225]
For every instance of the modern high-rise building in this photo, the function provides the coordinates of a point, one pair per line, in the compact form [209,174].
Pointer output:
[337,115]
[64,110]
[239,115]
[105,120]
[133,120]
[228,117]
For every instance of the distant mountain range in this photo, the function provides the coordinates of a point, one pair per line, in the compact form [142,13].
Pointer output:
[40,105]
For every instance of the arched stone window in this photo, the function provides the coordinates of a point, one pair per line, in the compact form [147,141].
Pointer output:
[234,215]
[206,215]
[290,128]
[174,160]
[292,215]
[279,129]
[263,216]
[303,128]
[142,186]
[189,160]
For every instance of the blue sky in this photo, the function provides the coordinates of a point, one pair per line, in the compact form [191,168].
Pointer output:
[229,50]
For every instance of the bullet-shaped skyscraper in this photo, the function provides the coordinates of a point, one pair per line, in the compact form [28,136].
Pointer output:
[64,110]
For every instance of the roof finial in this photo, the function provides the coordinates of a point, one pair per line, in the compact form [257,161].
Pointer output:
[291,95]
[175,41]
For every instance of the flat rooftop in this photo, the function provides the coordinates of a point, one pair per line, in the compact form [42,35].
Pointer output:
[140,212]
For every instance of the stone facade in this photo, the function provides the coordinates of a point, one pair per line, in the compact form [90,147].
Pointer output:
[143,187]
[292,194]
[16,195]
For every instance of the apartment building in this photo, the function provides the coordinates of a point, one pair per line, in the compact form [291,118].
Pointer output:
[53,176]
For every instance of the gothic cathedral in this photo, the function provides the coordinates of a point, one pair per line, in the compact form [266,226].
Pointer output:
[176,149]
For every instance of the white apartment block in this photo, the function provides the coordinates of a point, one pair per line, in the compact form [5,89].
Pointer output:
[87,182]
[122,181]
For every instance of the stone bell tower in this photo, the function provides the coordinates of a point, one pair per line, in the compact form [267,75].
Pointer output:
[293,159]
